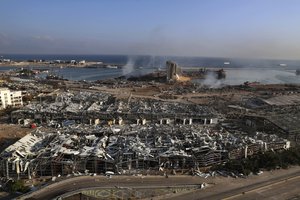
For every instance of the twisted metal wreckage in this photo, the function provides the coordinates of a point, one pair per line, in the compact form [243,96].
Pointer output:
[81,149]
[147,136]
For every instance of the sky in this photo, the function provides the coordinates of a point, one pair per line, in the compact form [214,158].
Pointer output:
[212,28]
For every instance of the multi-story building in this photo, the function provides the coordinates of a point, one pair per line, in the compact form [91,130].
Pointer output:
[10,98]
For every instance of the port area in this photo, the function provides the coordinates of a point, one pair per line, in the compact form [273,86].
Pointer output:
[62,64]
[175,136]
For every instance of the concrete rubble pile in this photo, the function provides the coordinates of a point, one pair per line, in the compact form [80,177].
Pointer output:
[90,108]
[67,102]
[128,149]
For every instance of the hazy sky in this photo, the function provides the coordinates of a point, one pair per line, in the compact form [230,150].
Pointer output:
[227,28]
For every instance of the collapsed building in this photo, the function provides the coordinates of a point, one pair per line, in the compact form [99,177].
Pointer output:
[95,108]
[128,149]
[95,132]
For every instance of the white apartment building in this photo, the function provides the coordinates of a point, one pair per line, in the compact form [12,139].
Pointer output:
[10,98]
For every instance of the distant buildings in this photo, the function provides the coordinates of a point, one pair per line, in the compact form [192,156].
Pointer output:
[73,62]
[10,98]
[82,62]
[6,60]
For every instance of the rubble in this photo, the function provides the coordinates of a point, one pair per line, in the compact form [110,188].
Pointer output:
[90,107]
[95,131]
[128,149]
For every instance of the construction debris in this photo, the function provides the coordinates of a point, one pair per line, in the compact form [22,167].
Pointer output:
[177,128]
[128,149]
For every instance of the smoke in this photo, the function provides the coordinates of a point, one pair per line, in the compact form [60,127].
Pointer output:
[141,65]
[211,80]
[129,67]
[264,76]
[241,75]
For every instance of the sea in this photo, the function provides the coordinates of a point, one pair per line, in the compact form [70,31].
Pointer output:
[238,70]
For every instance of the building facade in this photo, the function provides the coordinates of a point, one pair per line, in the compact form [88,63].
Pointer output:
[10,98]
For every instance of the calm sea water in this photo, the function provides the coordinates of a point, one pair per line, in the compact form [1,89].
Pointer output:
[238,70]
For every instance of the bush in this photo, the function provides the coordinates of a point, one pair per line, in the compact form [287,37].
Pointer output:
[267,160]
[17,186]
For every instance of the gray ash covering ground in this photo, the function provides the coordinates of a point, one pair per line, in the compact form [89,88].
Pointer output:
[237,70]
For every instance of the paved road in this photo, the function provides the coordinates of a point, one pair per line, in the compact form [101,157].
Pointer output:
[76,183]
[285,189]
[283,185]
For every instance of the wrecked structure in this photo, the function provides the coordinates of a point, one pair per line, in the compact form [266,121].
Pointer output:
[95,132]
[175,73]
[95,108]
[172,71]
[86,149]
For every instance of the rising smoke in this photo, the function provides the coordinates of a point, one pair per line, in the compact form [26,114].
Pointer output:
[141,65]
[129,67]
[211,80]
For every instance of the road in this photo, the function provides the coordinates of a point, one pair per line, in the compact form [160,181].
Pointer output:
[279,187]
[280,184]
[285,189]
[76,183]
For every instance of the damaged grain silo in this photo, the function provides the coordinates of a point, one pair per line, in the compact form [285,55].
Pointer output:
[172,71]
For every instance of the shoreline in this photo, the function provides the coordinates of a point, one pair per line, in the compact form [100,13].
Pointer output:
[120,66]
[65,65]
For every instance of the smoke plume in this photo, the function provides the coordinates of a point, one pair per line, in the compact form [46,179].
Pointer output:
[211,80]
[128,68]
